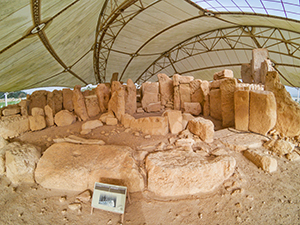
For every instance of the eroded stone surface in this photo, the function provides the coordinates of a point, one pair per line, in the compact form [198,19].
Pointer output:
[180,173]
[241,109]
[49,116]
[13,126]
[103,94]
[79,103]
[215,104]
[20,162]
[149,93]
[174,120]
[80,166]
[204,128]
[258,56]
[151,125]
[165,88]
[92,106]
[117,103]
[130,97]
[261,160]
[67,99]
[64,118]
[223,74]
[193,108]
[288,111]
[37,122]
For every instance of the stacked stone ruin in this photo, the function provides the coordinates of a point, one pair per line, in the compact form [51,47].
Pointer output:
[182,105]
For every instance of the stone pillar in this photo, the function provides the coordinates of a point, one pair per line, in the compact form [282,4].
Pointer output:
[227,88]
[246,73]
[205,92]
[241,109]
[166,89]
[117,103]
[92,105]
[263,114]
[258,56]
[130,97]
[103,94]
[67,99]
[79,103]
[215,104]
[114,77]
[149,93]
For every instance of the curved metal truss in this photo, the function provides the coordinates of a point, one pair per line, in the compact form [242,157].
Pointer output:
[228,39]
[113,18]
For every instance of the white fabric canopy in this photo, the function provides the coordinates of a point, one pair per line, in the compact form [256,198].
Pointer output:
[69,42]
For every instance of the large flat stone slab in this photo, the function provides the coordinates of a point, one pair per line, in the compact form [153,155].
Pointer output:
[181,173]
[78,167]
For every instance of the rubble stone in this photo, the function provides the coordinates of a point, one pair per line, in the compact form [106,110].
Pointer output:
[111,121]
[174,120]
[227,88]
[258,56]
[106,115]
[241,109]
[282,147]
[67,99]
[103,94]
[186,117]
[49,116]
[223,74]
[127,120]
[20,161]
[261,160]
[288,111]
[79,104]
[37,122]
[130,97]
[117,103]
[92,106]
[92,124]
[12,110]
[262,117]
[80,166]
[203,128]
[64,118]
[192,107]
[166,89]
[181,173]
[215,104]
[246,73]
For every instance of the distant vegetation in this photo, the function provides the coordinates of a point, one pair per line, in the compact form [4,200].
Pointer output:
[17,94]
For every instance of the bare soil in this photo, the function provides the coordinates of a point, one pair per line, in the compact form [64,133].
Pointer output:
[250,196]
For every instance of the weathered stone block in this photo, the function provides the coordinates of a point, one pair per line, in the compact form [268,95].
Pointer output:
[185,94]
[166,89]
[38,99]
[151,125]
[79,103]
[174,120]
[103,94]
[24,106]
[49,116]
[246,73]
[106,115]
[215,104]
[262,117]
[11,110]
[261,160]
[92,124]
[127,120]
[227,88]
[92,106]
[36,111]
[266,66]
[117,103]
[149,93]
[186,117]
[130,97]
[111,121]
[288,111]
[37,122]
[64,118]
[223,74]
[115,85]
[80,166]
[192,107]
[67,99]
[20,162]
[258,56]
[13,126]
[241,110]
[203,128]
[153,107]
[168,176]
[205,92]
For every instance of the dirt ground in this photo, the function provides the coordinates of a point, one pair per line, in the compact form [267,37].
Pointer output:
[249,196]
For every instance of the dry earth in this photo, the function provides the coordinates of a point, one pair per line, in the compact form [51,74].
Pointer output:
[250,196]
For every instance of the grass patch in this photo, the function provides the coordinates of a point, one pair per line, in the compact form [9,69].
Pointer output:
[2,104]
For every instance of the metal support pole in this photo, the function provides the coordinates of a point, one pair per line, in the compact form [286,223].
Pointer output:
[6,93]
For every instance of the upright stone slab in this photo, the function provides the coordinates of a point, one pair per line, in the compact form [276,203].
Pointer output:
[114,77]
[266,66]
[205,92]
[130,97]
[223,74]
[196,93]
[115,85]
[185,94]
[49,116]
[258,56]
[215,104]
[180,173]
[64,118]
[117,103]
[58,100]
[263,114]
[166,89]
[246,73]
[149,93]
[288,111]
[241,109]
[67,99]
[37,122]
[227,88]
[174,120]
[103,94]
[203,128]
[24,106]
[192,107]
[92,105]
[79,103]
[38,99]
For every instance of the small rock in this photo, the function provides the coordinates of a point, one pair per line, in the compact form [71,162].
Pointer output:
[147,136]
[293,156]
[63,198]
[111,121]
[84,196]
[75,206]
[64,211]
[137,134]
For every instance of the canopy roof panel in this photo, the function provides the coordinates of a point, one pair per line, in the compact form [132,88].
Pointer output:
[63,43]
